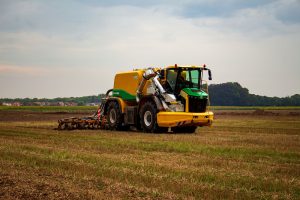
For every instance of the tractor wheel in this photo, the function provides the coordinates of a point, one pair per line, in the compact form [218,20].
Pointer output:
[114,116]
[148,119]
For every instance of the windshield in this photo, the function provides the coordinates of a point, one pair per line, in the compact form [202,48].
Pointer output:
[179,78]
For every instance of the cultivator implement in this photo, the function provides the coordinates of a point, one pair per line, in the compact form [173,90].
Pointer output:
[82,123]
[96,121]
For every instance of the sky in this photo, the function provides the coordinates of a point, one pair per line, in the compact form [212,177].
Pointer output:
[63,48]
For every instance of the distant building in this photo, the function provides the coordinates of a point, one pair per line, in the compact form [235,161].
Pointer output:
[52,104]
[91,104]
[37,103]
[71,104]
[61,103]
[27,104]
[6,104]
[16,104]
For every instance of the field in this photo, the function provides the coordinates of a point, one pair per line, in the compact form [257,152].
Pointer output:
[246,154]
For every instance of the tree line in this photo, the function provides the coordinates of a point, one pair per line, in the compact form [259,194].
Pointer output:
[80,101]
[224,94]
[233,94]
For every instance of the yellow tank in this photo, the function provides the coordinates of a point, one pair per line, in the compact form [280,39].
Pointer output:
[126,84]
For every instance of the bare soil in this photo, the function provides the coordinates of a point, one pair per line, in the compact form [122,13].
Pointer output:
[244,155]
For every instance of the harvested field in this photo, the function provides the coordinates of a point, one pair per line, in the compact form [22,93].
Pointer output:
[245,155]
[23,116]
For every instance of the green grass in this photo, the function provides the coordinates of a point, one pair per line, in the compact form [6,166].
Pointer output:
[246,157]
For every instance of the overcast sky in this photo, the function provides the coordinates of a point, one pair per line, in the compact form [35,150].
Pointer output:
[62,48]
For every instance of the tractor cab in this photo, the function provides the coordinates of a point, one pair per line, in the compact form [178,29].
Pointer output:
[186,83]
[179,78]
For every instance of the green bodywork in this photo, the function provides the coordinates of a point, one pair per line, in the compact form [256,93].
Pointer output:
[190,91]
[123,94]
[196,93]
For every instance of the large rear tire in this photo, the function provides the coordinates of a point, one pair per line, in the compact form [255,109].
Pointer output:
[114,116]
[148,120]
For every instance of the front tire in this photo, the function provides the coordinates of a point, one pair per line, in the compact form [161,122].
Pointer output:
[148,120]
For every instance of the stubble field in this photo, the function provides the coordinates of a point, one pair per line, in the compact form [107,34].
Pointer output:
[246,154]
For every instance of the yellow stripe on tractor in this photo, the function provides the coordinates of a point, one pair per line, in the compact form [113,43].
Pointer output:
[172,119]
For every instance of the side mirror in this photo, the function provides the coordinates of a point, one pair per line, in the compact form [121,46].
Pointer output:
[209,75]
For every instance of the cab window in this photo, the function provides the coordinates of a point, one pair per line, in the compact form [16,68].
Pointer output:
[171,78]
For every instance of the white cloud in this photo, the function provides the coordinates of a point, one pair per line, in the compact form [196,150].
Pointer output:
[85,46]
[21,70]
